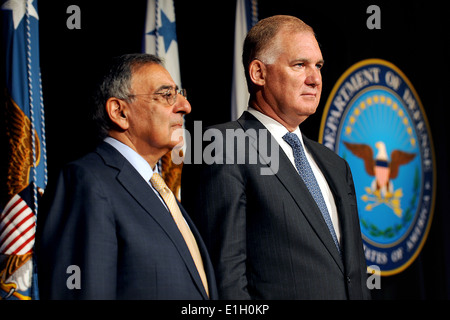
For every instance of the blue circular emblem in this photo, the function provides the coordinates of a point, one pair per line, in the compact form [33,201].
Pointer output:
[374,119]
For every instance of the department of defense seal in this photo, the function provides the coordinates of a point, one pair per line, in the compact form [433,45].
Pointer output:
[374,119]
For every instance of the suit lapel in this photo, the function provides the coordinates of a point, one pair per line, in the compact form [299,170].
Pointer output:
[343,196]
[206,260]
[294,184]
[329,171]
[144,195]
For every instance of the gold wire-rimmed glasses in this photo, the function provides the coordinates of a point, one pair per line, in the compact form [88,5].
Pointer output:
[170,95]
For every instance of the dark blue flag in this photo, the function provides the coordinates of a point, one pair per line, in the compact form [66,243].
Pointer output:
[24,177]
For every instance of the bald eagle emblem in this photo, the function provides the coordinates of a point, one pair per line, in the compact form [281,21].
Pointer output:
[375,120]
[384,170]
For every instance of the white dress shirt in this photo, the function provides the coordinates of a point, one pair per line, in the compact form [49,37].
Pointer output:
[277,130]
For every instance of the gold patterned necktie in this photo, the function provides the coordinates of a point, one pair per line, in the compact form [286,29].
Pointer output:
[158,183]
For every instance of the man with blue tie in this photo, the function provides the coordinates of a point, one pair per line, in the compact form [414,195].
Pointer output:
[110,216]
[292,234]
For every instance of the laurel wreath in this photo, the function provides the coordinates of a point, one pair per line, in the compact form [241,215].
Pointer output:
[408,215]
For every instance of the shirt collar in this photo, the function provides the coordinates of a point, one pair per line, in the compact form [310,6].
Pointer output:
[276,129]
[139,163]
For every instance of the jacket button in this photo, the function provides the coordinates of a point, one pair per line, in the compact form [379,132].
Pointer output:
[348,279]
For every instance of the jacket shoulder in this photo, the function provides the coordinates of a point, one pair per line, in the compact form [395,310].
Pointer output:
[324,151]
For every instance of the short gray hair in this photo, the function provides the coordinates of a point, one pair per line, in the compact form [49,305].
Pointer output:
[117,83]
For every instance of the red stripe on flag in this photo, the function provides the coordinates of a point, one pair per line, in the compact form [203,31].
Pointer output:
[25,207]
[19,199]
[31,215]
[20,237]
[26,242]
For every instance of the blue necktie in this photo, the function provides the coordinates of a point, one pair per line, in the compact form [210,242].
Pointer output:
[305,171]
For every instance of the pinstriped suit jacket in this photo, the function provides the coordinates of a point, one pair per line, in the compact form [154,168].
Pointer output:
[265,234]
[104,218]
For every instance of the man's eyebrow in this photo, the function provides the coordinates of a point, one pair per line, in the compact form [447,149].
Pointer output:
[321,61]
[166,87]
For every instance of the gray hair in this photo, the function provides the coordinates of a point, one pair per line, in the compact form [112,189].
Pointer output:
[117,83]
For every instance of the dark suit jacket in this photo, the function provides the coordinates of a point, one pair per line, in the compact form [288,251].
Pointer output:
[265,234]
[105,219]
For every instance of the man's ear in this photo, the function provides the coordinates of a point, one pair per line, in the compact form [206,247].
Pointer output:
[257,72]
[117,110]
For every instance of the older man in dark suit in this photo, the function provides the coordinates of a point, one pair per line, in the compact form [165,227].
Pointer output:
[293,233]
[110,219]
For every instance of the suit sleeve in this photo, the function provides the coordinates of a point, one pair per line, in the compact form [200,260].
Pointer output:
[363,292]
[76,242]
[218,208]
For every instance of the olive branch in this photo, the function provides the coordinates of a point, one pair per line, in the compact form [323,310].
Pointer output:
[407,216]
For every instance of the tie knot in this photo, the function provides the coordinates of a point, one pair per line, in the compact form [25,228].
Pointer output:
[158,183]
[292,139]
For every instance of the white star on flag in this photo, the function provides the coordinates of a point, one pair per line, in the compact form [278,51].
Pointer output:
[19,8]
[160,22]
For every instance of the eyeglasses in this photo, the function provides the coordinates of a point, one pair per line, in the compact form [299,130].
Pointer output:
[170,95]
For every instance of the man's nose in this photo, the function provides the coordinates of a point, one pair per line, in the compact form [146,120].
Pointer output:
[182,105]
[314,77]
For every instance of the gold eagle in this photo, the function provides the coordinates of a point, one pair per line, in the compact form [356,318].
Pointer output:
[15,177]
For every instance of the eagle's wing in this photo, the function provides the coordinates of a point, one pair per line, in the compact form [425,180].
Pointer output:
[364,152]
[399,158]
[18,134]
